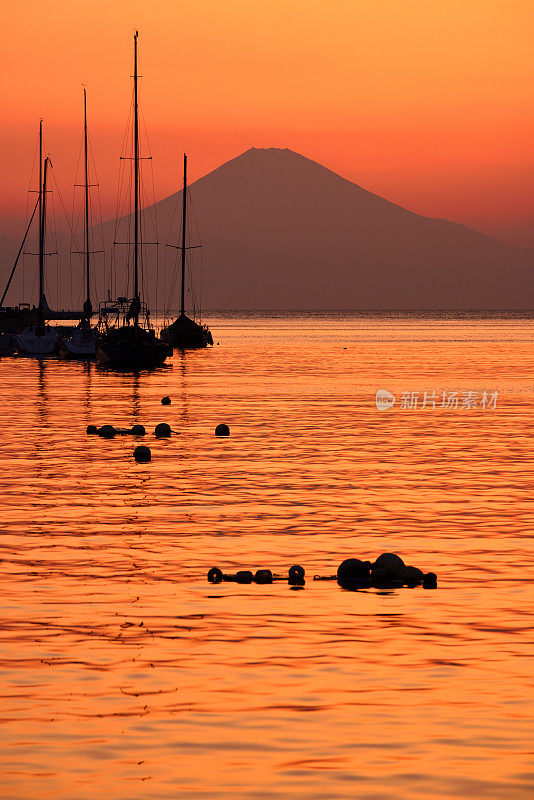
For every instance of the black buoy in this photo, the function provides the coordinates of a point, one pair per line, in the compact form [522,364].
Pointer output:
[296,571]
[410,576]
[391,563]
[162,429]
[263,576]
[380,576]
[165,401]
[215,575]
[137,430]
[107,431]
[430,581]
[91,430]
[296,575]
[353,574]
[222,430]
[142,454]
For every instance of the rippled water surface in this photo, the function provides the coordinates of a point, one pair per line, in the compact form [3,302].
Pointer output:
[125,675]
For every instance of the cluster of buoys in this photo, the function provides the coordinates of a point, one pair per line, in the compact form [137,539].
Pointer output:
[161,431]
[295,576]
[388,572]
[109,431]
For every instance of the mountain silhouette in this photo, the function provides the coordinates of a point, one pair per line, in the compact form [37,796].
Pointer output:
[280,231]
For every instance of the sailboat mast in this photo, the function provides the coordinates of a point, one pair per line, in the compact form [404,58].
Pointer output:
[87,308]
[136,188]
[42,233]
[41,225]
[184,222]
[42,189]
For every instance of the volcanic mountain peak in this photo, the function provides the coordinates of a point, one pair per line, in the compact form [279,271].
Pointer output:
[281,231]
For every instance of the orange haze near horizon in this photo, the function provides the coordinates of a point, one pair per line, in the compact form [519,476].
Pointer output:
[427,104]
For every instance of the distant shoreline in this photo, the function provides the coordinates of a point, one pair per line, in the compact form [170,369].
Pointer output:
[386,313]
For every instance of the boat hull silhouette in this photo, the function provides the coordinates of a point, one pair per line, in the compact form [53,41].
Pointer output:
[186,334]
[38,340]
[81,344]
[132,347]
[7,344]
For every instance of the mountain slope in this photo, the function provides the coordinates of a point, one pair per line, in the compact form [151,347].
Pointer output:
[280,231]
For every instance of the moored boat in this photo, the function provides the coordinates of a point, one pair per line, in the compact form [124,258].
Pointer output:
[185,333]
[16,319]
[81,344]
[40,339]
[127,339]
[125,345]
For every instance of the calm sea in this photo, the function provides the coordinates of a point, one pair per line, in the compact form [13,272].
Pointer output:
[125,675]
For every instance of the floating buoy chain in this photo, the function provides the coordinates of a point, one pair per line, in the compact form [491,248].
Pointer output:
[109,431]
[295,576]
[388,572]
[162,430]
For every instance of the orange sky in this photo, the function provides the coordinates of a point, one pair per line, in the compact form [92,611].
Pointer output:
[429,104]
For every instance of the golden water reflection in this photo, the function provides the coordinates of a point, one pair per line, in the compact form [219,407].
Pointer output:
[126,675]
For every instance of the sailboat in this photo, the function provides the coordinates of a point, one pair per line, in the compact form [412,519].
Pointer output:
[16,319]
[39,339]
[81,343]
[184,333]
[124,342]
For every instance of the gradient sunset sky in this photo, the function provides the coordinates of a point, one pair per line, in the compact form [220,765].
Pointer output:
[429,104]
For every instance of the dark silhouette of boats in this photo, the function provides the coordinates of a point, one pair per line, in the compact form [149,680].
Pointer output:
[81,343]
[23,326]
[13,319]
[40,339]
[125,342]
[185,333]
[7,344]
